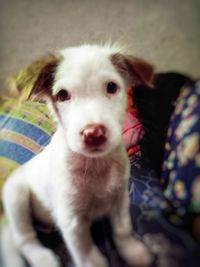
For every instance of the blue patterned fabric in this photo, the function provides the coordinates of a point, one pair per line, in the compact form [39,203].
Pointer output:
[144,186]
[181,169]
[160,229]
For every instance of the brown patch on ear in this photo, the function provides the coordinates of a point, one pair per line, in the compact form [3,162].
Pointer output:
[137,71]
[36,80]
[45,79]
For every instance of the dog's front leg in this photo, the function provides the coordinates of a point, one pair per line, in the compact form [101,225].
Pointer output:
[132,250]
[77,236]
[16,197]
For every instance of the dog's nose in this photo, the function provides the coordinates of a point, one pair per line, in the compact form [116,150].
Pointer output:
[94,135]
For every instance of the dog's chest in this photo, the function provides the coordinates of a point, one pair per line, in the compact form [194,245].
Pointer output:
[90,206]
[96,175]
[98,185]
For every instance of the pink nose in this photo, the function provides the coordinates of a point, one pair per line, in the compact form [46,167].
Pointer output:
[94,135]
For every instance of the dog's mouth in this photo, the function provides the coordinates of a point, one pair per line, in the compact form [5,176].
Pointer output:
[95,151]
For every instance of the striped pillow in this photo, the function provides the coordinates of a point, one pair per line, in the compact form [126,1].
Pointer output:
[25,129]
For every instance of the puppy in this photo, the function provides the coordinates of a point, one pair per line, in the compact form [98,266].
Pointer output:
[83,173]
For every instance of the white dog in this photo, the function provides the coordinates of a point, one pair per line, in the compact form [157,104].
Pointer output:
[83,173]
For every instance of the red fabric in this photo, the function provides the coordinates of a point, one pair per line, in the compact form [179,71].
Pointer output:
[132,129]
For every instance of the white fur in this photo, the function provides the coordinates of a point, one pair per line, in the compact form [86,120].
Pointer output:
[66,184]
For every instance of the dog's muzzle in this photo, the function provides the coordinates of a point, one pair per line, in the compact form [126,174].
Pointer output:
[94,135]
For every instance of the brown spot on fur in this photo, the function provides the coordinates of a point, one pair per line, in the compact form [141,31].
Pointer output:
[36,80]
[135,70]
[45,79]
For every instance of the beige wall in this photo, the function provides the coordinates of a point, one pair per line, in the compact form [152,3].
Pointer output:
[166,32]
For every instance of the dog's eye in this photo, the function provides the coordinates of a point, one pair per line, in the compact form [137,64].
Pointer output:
[111,88]
[63,95]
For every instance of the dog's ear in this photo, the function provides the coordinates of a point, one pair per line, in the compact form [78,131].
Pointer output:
[36,80]
[137,71]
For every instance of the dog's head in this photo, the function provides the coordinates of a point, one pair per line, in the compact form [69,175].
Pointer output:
[87,88]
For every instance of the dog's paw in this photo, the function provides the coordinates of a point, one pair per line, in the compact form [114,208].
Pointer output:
[95,259]
[44,258]
[135,253]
